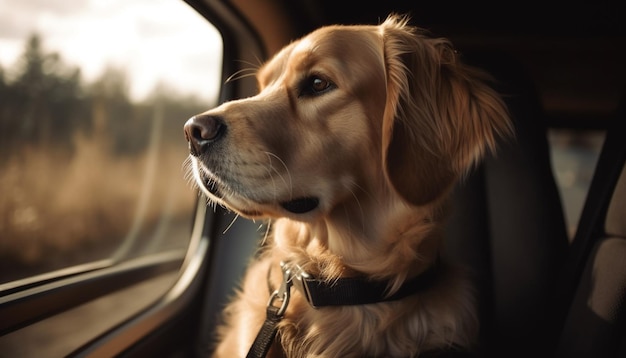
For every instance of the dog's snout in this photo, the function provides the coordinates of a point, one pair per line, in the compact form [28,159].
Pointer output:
[201,131]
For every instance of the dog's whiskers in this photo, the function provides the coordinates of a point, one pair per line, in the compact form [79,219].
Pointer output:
[290,184]
[187,168]
[242,73]
[267,232]
[249,71]
[253,65]
[366,192]
[231,224]
[358,202]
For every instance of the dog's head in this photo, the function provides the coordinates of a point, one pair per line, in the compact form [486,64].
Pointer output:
[347,114]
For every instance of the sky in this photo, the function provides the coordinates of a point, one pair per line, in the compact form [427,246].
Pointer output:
[153,41]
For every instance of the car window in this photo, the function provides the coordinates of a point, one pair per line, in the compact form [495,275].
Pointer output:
[93,98]
[574,156]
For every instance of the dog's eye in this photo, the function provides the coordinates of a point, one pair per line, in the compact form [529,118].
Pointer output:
[319,84]
[315,85]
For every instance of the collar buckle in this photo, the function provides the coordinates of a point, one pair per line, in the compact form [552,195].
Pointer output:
[301,282]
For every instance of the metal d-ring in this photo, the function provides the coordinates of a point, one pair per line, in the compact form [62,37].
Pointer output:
[283,293]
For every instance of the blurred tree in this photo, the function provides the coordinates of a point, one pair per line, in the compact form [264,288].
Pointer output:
[115,116]
[176,108]
[44,103]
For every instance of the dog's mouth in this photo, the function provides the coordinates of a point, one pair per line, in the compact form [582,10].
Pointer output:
[296,206]
[301,205]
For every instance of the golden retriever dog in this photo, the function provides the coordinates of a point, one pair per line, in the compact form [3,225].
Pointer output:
[350,149]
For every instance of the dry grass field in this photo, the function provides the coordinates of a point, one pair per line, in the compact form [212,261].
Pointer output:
[58,210]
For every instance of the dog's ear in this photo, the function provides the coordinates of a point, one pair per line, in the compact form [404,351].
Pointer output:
[440,115]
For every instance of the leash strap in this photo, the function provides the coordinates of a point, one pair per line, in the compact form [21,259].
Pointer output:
[273,316]
[266,335]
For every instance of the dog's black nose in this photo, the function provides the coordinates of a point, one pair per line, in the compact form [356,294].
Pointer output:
[201,131]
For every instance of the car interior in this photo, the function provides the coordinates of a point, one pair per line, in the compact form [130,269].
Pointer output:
[549,283]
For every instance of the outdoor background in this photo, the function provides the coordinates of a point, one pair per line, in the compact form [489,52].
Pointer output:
[93,98]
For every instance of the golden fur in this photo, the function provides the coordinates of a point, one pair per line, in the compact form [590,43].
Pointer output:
[378,123]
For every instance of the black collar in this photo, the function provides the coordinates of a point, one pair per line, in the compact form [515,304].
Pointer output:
[340,292]
[350,291]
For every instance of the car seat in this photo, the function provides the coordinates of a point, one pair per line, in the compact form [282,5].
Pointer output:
[507,224]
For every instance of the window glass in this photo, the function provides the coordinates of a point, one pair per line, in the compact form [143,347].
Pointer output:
[574,156]
[93,98]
